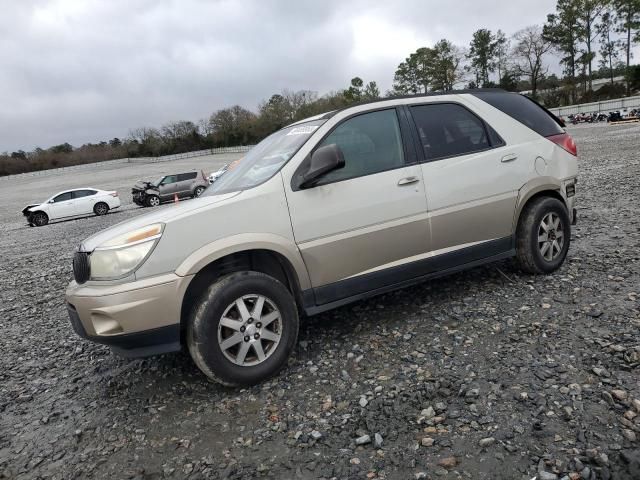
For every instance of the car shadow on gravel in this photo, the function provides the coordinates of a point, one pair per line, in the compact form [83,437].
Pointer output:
[83,217]
[389,309]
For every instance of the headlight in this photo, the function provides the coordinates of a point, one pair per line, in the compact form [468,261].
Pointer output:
[123,254]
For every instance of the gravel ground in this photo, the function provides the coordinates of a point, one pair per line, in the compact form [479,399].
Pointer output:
[487,374]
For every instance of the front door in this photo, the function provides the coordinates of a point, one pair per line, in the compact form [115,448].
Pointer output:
[62,206]
[168,187]
[360,221]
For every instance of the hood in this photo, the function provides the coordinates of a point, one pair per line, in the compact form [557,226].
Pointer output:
[142,185]
[164,215]
[26,209]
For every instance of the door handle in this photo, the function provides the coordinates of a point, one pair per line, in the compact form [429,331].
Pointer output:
[509,158]
[408,180]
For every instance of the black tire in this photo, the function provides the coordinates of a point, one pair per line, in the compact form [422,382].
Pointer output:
[528,252]
[39,219]
[204,322]
[198,191]
[101,208]
[152,201]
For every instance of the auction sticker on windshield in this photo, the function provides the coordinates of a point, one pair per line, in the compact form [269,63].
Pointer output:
[305,130]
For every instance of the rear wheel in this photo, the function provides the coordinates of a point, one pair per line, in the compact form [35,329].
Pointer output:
[543,236]
[101,208]
[39,219]
[243,329]
[198,191]
[152,201]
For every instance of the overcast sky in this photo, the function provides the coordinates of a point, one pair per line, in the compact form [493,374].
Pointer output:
[84,71]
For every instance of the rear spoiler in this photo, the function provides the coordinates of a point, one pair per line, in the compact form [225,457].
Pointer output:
[548,112]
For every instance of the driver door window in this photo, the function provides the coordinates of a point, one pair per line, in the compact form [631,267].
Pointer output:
[63,197]
[371,143]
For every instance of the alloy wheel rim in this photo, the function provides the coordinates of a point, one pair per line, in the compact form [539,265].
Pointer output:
[249,330]
[155,201]
[550,236]
[101,209]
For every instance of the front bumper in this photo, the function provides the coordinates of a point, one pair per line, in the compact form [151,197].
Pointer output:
[138,196]
[138,318]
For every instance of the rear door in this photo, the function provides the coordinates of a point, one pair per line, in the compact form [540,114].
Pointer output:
[62,206]
[472,177]
[84,201]
[185,182]
[360,221]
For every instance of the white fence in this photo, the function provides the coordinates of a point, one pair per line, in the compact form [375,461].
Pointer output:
[603,106]
[165,158]
[198,153]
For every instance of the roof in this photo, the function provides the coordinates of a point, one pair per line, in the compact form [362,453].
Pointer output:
[328,115]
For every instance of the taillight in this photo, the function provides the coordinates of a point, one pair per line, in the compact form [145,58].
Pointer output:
[565,141]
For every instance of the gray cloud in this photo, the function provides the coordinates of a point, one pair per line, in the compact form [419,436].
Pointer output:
[91,70]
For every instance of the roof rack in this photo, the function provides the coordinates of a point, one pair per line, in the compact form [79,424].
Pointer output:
[418,95]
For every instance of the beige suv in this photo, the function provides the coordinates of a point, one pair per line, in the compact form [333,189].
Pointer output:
[324,212]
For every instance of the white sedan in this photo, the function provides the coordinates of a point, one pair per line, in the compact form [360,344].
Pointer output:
[72,203]
[218,173]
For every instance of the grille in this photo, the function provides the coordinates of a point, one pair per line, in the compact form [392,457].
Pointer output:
[81,268]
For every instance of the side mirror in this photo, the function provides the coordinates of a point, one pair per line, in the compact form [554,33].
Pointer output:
[324,160]
[51,201]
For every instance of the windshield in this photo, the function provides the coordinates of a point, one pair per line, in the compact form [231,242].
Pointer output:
[157,181]
[264,160]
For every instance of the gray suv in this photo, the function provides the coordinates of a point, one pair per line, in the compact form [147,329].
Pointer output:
[184,185]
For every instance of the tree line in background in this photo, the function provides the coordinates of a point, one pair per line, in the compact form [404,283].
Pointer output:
[576,31]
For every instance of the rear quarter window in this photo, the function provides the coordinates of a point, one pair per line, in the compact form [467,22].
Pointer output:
[524,110]
[187,176]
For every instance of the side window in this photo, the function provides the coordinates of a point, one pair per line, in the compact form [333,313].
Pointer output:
[186,176]
[448,130]
[370,142]
[524,110]
[62,197]
[83,193]
[169,179]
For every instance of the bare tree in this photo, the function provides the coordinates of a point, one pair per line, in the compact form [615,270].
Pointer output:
[503,45]
[528,52]
[299,99]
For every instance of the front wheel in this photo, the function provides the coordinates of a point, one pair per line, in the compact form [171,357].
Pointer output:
[543,236]
[152,201]
[243,329]
[39,219]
